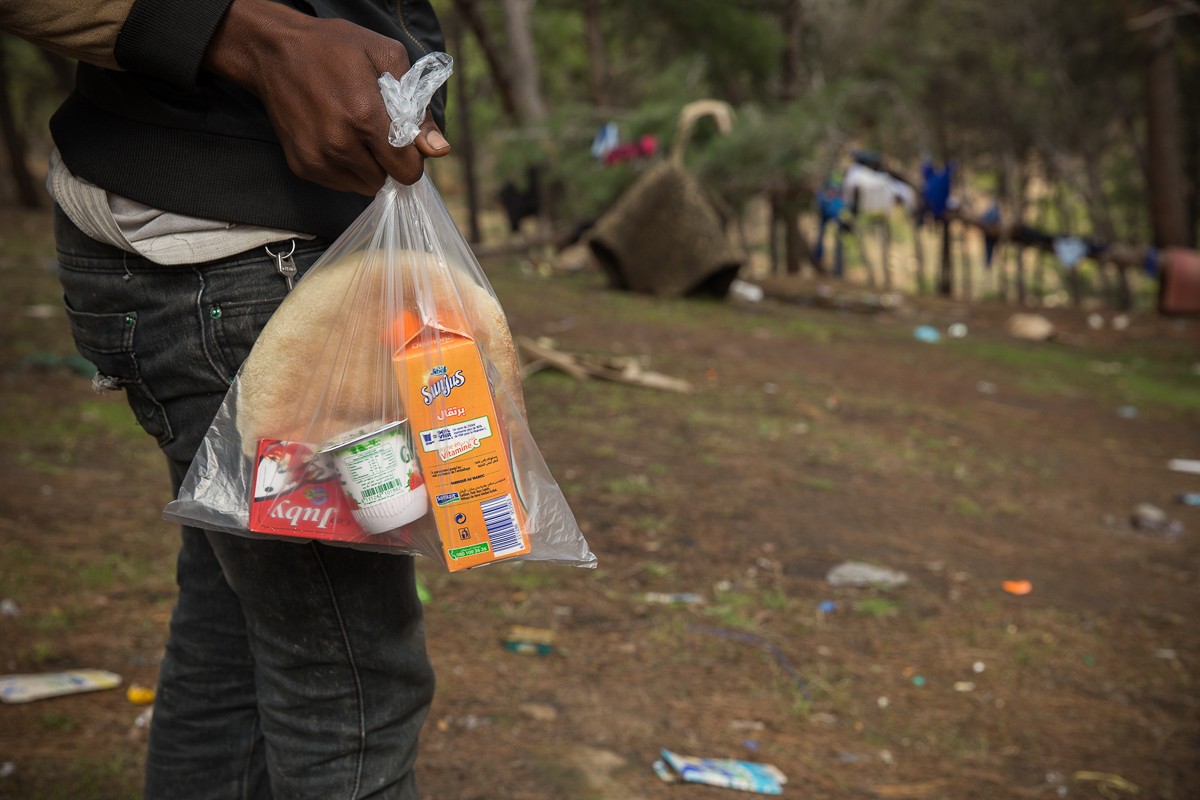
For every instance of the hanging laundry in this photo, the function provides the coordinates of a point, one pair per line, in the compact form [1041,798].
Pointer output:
[830,206]
[1070,250]
[830,202]
[936,190]
[868,191]
[645,147]
[606,139]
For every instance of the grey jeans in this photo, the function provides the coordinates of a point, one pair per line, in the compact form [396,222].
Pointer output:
[292,670]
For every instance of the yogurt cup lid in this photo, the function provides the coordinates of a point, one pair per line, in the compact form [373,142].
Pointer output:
[359,435]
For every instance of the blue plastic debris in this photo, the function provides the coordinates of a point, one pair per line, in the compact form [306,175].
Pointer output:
[927,334]
[748,776]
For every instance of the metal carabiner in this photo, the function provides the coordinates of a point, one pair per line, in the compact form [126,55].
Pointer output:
[284,263]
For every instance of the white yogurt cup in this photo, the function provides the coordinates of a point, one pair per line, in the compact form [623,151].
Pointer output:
[379,474]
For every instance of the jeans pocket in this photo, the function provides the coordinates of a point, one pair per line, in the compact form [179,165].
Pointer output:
[106,340]
[236,326]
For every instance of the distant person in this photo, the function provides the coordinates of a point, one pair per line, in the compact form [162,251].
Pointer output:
[830,206]
[209,154]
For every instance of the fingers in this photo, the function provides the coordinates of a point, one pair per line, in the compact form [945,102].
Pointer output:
[430,140]
[407,164]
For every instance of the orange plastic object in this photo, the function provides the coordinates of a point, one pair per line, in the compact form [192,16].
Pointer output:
[1017,587]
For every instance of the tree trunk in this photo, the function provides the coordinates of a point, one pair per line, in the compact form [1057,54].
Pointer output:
[597,54]
[946,278]
[464,138]
[14,143]
[526,80]
[776,216]
[793,48]
[919,254]
[469,14]
[1168,208]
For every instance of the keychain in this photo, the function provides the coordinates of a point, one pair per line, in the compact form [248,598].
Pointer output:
[284,263]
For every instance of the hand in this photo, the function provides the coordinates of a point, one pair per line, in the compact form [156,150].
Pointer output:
[317,80]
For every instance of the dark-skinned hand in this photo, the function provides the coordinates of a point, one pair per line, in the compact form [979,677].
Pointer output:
[317,80]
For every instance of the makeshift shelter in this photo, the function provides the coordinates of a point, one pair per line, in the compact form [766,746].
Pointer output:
[663,237]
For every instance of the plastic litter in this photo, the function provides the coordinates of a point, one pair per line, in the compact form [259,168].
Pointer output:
[964,686]
[139,695]
[747,776]
[529,641]
[857,573]
[27,688]
[927,334]
[9,608]
[1127,412]
[673,598]
[1153,520]
[986,387]
[1017,587]
[744,290]
[978,667]
[1187,498]
[957,331]
[7,769]
[1032,327]
[1191,465]
[827,607]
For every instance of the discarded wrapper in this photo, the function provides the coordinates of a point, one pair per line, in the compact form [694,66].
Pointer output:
[529,641]
[26,688]
[747,776]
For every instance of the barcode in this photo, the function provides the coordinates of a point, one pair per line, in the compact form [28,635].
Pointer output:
[500,519]
[383,487]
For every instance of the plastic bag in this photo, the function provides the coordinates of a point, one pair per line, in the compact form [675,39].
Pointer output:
[381,407]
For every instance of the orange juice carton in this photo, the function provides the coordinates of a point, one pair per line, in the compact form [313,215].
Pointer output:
[460,444]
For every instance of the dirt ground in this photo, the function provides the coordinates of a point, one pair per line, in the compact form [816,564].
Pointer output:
[812,436]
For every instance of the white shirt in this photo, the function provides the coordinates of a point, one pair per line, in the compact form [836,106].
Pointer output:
[159,236]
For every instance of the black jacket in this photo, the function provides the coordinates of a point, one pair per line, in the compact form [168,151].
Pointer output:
[192,143]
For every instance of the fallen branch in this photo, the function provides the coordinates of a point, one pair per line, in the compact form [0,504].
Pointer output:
[622,369]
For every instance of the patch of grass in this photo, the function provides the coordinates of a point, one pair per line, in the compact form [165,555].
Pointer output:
[53,621]
[734,610]
[877,607]
[1145,382]
[658,569]
[775,599]
[85,777]
[629,485]
[968,507]
[57,721]
[814,482]
[44,652]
